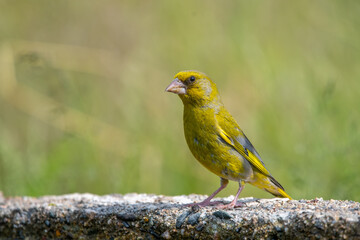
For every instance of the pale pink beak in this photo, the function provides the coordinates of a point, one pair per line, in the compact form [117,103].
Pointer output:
[176,87]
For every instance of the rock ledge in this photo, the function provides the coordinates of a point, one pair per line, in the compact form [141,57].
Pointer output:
[143,216]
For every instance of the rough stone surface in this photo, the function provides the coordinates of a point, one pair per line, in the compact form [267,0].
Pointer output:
[142,216]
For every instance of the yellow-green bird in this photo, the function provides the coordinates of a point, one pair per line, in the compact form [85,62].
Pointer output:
[216,140]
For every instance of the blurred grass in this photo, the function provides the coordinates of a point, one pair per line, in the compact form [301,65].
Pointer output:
[83,108]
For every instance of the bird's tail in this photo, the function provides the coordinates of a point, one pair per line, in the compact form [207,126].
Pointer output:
[276,189]
[269,184]
[278,192]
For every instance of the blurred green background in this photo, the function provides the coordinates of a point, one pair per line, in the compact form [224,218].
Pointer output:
[83,107]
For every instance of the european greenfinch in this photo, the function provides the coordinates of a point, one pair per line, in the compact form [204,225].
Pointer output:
[216,140]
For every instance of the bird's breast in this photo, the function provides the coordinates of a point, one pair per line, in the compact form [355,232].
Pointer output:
[208,147]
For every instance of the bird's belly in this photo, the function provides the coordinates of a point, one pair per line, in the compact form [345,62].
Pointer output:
[218,157]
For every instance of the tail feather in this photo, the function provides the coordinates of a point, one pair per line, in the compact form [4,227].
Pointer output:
[269,184]
[284,194]
[277,192]
[280,192]
[276,183]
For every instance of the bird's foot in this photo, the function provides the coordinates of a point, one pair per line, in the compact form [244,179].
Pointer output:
[203,204]
[230,205]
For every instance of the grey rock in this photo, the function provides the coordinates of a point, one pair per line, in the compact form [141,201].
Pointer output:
[193,219]
[181,219]
[142,216]
[222,215]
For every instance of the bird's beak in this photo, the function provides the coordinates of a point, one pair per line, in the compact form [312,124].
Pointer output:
[176,87]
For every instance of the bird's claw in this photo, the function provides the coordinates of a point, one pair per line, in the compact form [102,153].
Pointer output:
[203,204]
[230,205]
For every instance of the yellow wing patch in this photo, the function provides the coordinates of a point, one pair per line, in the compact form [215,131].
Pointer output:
[224,136]
[257,163]
[248,155]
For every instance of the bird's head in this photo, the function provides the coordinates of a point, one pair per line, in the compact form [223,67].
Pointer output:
[193,87]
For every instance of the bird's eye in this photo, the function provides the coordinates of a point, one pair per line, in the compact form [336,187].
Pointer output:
[192,79]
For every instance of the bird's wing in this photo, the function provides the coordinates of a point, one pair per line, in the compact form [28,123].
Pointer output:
[230,132]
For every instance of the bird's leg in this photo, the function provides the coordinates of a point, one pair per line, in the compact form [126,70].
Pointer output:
[234,204]
[224,182]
